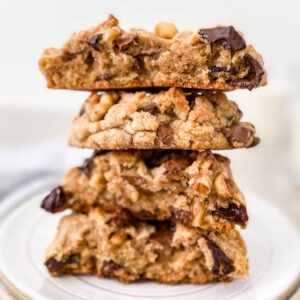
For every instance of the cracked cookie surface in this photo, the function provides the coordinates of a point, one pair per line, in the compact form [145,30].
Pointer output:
[97,244]
[107,57]
[192,188]
[171,119]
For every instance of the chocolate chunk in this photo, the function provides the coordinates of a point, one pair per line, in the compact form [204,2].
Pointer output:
[163,233]
[54,265]
[233,213]
[164,135]
[55,201]
[154,158]
[124,42]
[120,219]
[228,37]
[182,216]
[254,75]
[109,267]
[150,108]
[191,97]
[178,163]
[94,42]
[89,59]
[238,134]
[222,263]
[134,180]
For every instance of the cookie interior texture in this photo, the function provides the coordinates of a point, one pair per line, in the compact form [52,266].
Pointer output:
[171,119]
[107,57]
[192,188]
[110,245]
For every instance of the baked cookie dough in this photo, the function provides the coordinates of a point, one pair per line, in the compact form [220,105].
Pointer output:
[107,57]
[171,119]
[111,245]
[192,188]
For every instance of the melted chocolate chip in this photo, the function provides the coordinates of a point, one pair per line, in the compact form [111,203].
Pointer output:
[238,134]
[150,108]
[55,201]
[164,135]
[182,216]
[94,42]
[163,233]
[121,219]
[124,42]
[222,263]
[191,97]
[233,213]
[228,37]
[55,266]
[154,158]
[254,76]
[177,164]
[134,180]
[109,267]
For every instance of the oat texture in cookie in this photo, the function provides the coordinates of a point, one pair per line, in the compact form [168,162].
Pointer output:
[192,188]
[171,119]
[108,57]
[97,244]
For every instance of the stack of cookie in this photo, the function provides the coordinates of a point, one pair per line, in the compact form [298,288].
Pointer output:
[153,202]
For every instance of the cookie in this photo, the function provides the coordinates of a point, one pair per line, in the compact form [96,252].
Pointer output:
[193,188]
[171,119]
[107,57]
[111,245]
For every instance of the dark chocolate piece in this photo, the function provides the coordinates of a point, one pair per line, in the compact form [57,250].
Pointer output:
[164,135]
[254,75]
[222,263]
[54,201]
[150,108]
[176,164]
[94,42]
[233,213]
[228,37]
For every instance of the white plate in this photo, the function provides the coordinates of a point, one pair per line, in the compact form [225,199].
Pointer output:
[273,248]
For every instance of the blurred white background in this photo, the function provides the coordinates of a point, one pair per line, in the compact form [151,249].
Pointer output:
[35,122]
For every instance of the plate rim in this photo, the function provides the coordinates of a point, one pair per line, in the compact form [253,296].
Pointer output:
[31,190]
